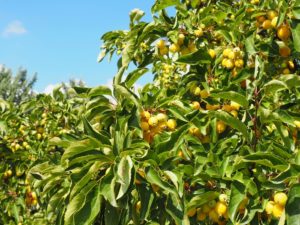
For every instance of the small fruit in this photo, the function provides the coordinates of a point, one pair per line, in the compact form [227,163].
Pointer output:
[221,208]
[280,198]
[213,216]
[286,71]
[138,206]
[197,91]
[153,121]
[204,94]
[226,108]
[201,216]
[162,117]
[180,39]
[226,52]
[198,32]
[223,198]
[229,64]
[235,105]
[174,48]
[260,19]
[161,44]
[145,115]
[206,208]
[192,212]
[195,105]
[283,32]
[267,24]
[297,123]
[34,202]
[234,113]
[164,50]
[231,55]
[144,126]
[284,51]
[221,127]
[239,63]
[274,21]
[171,123]
[271,14]
[155,188]
[212,53]
[277,210]
[269,207]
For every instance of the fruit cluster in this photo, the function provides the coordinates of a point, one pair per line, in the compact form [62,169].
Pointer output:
[154,124]
[31,197]
[283,32]
[215,211]
[232,58]
[276,207]
[168,75]
[7,174]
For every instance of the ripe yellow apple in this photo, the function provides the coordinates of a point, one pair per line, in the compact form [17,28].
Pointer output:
[162,117]
[171,123]
[174,48]
[280,198]
[212,53]
[198,32]
[221,127]
[153,121]
[180,39]
[269,207]
[161,44]
[274,21]
[284,51]
[235,105]
[283,32]
[195,105]
[223,198]
[267,24]
[201,216]
[192,212]
[144,126]
[297,123]
[138,206]
[277,210]
[221,208]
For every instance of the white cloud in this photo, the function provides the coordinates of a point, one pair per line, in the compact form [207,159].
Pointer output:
[49,89]
[14,28]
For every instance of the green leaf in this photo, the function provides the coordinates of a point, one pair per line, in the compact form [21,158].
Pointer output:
[233,96]
[77,203]
[124,175]
[249,43]
[123,92]
[238,194]
[153,178]
[107,187]
[274,86]
[199,57]
[162,4]
[296,34]
[91,209]
[134,76]
[100,90]
[293,206]
[231,121]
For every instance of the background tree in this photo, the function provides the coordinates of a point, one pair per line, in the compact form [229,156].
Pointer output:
[16,88]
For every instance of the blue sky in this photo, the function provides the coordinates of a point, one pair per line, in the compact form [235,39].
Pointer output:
[60,40]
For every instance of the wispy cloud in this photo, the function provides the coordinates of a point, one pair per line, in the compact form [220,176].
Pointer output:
[14,28]
[49,89]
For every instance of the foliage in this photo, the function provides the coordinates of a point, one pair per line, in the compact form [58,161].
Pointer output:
[16,88]
[213,140]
